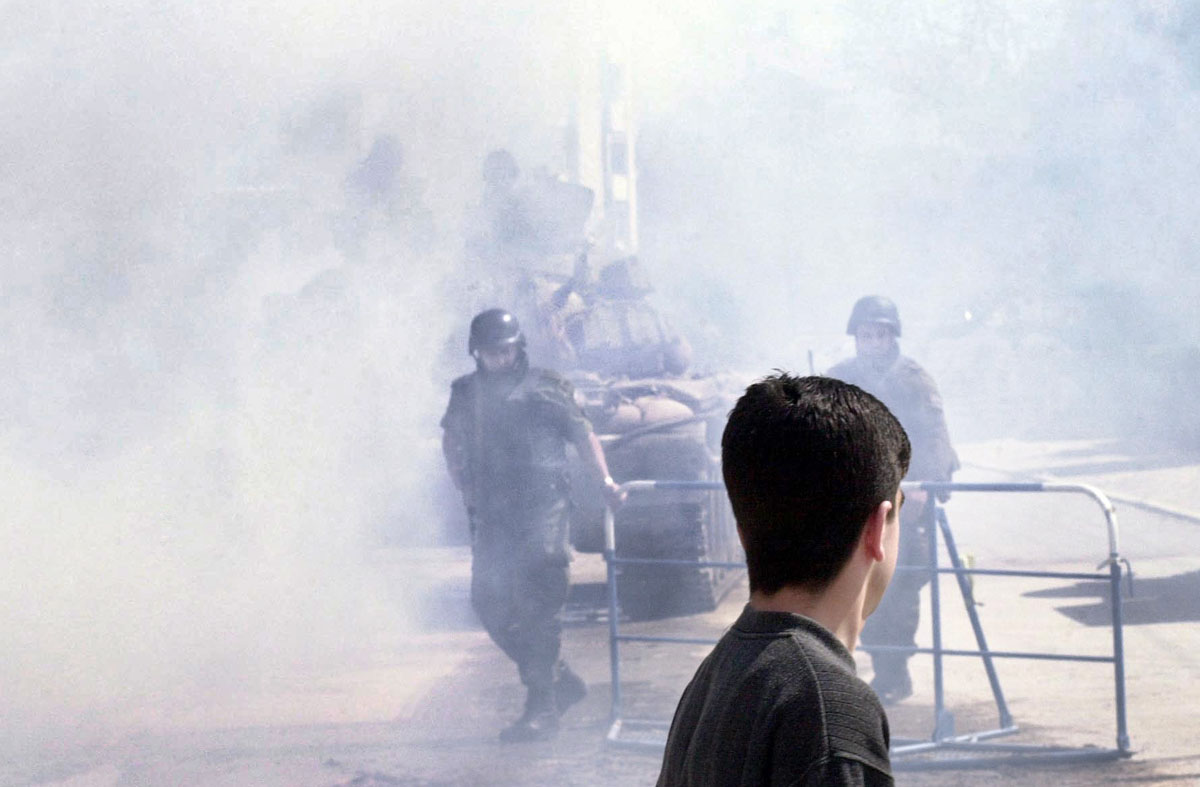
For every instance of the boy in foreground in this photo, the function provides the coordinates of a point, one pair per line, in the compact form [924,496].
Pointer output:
[812,466]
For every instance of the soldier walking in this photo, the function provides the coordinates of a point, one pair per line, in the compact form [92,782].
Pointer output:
[910,393]
[505,435]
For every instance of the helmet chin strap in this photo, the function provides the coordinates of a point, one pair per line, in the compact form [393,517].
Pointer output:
[520,365]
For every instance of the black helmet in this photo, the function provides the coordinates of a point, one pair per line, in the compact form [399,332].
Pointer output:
[493,329]
[877,309]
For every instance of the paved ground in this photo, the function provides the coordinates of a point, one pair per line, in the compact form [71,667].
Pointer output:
[425,710]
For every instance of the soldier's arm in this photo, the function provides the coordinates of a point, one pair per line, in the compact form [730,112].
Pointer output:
[592,453]
[947,459]
[934,435]
[455,455]
[577,429]
[454,431]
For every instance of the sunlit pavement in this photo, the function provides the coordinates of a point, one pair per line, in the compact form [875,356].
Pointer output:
[425,709]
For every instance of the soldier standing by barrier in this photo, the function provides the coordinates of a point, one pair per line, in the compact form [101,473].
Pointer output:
[505,435]
[910,393]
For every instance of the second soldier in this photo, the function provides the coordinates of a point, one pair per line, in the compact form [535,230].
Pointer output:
[909,392]
[506,431]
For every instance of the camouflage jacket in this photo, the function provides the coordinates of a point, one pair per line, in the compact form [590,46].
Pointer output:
[910,393]
[508,433]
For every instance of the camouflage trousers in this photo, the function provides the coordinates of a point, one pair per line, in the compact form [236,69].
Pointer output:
[518,589]
[894,622]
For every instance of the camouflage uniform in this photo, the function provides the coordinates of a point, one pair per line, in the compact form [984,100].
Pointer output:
[510,432]
[910,393]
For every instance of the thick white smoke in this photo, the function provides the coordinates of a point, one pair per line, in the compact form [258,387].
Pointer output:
[224,368]
[1013,174]
[223,373]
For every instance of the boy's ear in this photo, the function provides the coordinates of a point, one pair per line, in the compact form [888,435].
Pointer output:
[873,531]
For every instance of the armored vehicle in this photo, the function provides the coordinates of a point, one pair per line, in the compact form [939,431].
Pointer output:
[656,422]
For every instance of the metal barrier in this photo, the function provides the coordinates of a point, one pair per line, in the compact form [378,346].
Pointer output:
[625,731]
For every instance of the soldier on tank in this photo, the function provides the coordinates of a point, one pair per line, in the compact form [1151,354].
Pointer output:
[505,436]
[498,225]
[910,393]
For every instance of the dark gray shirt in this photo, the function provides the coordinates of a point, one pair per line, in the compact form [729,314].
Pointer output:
[777,702]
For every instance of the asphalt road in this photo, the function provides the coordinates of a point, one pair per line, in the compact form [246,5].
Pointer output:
[425,708]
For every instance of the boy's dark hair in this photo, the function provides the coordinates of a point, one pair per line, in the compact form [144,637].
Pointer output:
[806,460]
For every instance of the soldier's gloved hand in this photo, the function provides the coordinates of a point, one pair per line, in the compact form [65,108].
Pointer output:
[614,495]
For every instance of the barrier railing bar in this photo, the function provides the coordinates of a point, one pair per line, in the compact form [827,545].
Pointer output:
[1031,754]
[937,486]
[679,640]
[1085,489]
[917,746]
[965,741]
[643,486]
[635,561]
[1006,572]
[999,654]
[990,572]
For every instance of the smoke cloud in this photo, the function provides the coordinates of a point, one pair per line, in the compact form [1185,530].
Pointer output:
[225,365]
[1011,174]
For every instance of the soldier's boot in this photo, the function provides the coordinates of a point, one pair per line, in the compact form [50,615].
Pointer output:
[569,688]
[540,720]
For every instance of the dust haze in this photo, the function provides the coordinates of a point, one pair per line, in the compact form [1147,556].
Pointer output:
[225,365]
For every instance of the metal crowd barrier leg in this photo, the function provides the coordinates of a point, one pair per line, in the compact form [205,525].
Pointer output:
[614,634]
[1114,567]
[943,720]
[989,664]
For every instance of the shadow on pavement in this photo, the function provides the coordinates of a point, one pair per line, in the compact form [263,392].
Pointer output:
[1171,599]
[1131,458]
